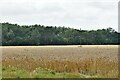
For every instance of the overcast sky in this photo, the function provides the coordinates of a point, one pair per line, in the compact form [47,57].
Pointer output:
[84,14]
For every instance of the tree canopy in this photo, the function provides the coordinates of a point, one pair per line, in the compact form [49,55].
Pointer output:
[16,35]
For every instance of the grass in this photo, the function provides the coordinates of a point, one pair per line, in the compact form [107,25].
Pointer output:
[39,73]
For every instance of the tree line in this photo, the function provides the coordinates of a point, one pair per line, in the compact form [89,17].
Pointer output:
[16,35]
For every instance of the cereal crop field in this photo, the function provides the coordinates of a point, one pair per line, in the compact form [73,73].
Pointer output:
[86,61]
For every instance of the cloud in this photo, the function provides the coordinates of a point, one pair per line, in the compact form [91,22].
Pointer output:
[85,14]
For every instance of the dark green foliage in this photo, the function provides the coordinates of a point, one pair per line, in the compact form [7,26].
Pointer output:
[15,35]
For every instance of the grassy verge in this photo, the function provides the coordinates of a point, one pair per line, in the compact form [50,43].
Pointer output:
[39,73]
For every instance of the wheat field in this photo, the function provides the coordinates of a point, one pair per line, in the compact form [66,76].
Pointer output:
[91,60]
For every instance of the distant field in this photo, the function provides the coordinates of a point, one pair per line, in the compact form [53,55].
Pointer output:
[89,60]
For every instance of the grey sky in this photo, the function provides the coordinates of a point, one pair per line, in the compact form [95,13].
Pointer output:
[84,14]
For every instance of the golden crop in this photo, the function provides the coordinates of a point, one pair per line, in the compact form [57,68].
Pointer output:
[89,60]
